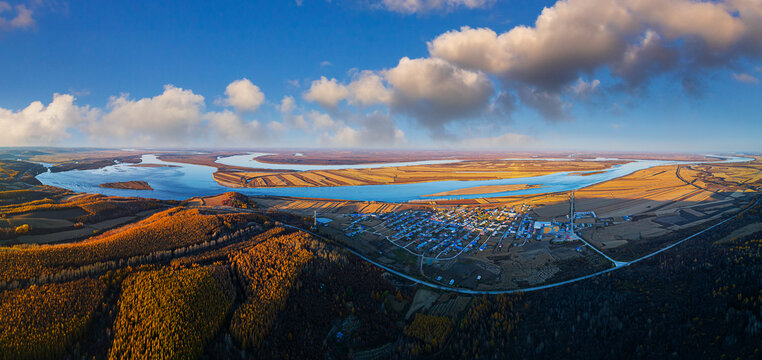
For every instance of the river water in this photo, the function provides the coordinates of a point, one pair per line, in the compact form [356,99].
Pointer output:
[179,181]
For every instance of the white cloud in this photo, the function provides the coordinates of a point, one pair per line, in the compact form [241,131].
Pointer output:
[321,121]
[243,95]
[432,90]
[437,81]
[504,141]
[344,137]
[233,130]
[632,37]
[708,21]
[20,20]
[277,126]
[40,124]
[293,82]
[745,78]
[287,107]
[368,89]
[326,92]
[421,6]
[645,59]
[375,129]
[173,117]
[584,89]
[436,92]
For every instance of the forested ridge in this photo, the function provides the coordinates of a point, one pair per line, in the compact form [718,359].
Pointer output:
[43,321]
[190,282]
[171,313]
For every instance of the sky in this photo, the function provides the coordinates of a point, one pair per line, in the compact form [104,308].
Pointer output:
[613,75]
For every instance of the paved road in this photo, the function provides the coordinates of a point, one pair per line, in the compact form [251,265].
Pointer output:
[616,263]
[620,265]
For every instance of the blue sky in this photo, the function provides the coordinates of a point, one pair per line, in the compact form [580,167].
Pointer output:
[111,63]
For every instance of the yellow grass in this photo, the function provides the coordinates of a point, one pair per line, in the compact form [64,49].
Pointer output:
[467,170]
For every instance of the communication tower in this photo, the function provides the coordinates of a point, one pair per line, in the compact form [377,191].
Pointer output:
[571,212]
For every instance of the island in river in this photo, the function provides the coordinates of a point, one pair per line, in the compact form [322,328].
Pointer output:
[129,185]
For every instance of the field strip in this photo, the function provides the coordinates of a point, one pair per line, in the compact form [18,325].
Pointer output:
[528,289]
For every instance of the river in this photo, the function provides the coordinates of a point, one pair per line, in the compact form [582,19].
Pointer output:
[179,181]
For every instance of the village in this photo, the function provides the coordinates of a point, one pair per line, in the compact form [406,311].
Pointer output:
[444,234]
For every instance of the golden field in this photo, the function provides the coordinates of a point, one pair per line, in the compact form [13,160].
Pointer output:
[463,171]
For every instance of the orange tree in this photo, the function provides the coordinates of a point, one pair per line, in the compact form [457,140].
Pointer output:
[40,322]
[268,271]
[171,313]
[166,230]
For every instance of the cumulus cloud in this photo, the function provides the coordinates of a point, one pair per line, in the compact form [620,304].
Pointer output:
[421,6]
[326,92]
[709,22]
[745,78]
[645,59]
[368,89]
[287,107]
[549,104]
[543,65]
[233,130]
[633,38]
[431,90]
[583,89]
[173,117]
[40,124]
[437,92]
[15,17]
[375,129]
[277,126]
[243,95]
[503,141]
[321,121]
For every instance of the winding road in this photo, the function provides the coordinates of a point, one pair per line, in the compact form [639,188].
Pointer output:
[618,264]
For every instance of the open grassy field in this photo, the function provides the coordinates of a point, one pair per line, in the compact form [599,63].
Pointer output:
[306,206]
[46,214]
[55,156]
[466,170]
[659,203]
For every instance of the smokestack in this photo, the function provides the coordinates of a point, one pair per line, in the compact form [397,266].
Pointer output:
[571,213]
